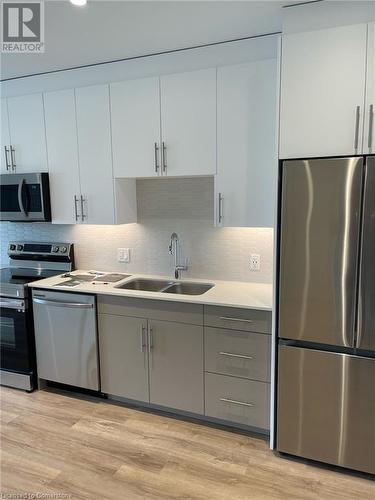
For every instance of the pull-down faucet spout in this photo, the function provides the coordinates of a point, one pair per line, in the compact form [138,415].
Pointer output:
[174,249]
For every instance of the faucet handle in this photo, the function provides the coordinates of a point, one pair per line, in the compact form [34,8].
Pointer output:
[170,249]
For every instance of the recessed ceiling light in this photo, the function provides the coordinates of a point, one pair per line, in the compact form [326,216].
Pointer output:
[79,3]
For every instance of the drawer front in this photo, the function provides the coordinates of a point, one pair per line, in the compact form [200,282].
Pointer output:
[237,400]
[249,320]
[151,308]
[237,353]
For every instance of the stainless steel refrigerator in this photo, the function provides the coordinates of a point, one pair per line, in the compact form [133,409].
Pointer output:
[326,312]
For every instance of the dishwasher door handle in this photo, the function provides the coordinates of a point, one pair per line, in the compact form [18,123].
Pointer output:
[58,303]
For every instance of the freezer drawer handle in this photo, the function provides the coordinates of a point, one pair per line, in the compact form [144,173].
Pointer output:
[242,320]
[234,402]
[242,356]
[58,303]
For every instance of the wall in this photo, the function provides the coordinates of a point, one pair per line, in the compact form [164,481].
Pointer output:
[164,206]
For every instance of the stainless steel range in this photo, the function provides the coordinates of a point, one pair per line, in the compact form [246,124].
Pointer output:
[28,262]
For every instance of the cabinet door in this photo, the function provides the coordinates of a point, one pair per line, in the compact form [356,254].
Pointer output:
[176,365]
[123,356]
[5,164]
[247,166]
[95,155]
[369,135]
[322,86]
[27,131]
[61,131]
[188,121]
[135,115]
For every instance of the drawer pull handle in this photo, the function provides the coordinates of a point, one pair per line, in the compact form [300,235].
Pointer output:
[242,356]
[229,318]
[234,402]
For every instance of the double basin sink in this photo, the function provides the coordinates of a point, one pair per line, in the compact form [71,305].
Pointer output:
[165,286]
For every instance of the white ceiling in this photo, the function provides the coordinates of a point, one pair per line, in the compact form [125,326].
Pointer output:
[107,30]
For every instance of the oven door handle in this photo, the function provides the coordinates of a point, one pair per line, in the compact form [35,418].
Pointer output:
[12,304]
[20,202]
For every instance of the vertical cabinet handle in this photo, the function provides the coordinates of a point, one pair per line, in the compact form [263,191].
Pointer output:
[143,343]
[13,158]
[164,155]
[370,126]
[76,200]
[356,132]
[6,151]
[83,216]
[156,153]
[220,208]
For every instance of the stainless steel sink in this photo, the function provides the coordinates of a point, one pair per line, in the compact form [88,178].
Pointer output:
[146,285]
[165,286]
[188,288]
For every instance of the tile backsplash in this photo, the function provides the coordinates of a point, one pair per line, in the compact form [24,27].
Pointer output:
[164,206]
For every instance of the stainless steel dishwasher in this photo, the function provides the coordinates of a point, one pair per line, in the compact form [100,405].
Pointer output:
[66,338]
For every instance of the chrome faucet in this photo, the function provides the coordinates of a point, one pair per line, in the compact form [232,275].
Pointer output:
[174,249]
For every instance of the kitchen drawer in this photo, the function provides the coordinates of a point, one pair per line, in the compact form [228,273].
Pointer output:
[237,400]
[249,320]
[237,353]
[152,309]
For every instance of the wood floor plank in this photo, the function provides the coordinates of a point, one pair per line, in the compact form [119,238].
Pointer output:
[87,448]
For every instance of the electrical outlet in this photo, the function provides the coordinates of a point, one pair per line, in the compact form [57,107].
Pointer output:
[123,254]
[255,262]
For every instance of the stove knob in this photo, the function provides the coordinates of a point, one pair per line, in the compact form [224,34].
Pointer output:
[19,248]
[55,249]
[12,247]
[63,249]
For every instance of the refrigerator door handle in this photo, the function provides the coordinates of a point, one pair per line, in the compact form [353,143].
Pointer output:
[365,337]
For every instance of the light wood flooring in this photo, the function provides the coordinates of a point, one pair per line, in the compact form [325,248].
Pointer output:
[82,448]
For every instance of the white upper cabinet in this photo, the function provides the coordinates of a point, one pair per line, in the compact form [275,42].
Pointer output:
[95,155]
[5,161]
[188,123]
[323,92]
[135,113]
[165,126]
[27,133]
[80,160]
[369,128]
[62,146]
[245,184]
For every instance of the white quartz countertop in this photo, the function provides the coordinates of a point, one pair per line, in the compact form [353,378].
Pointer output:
[224,293]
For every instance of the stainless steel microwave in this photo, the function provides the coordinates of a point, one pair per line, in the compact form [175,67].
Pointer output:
[25,198]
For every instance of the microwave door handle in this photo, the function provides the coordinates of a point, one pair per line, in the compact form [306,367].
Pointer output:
[20,202]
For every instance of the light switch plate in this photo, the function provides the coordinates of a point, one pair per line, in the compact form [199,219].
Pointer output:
[255,262]
[123,254]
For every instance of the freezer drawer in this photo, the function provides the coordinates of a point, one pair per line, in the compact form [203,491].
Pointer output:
[66,338]
[326,407]
[320,219]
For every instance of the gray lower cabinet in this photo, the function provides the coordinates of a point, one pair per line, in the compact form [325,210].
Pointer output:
[245,402]
[176,365]
[123,356]
[152,357]
[186,357]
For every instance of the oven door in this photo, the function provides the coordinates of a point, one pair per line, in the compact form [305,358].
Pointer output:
[25,198]
[16,336]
